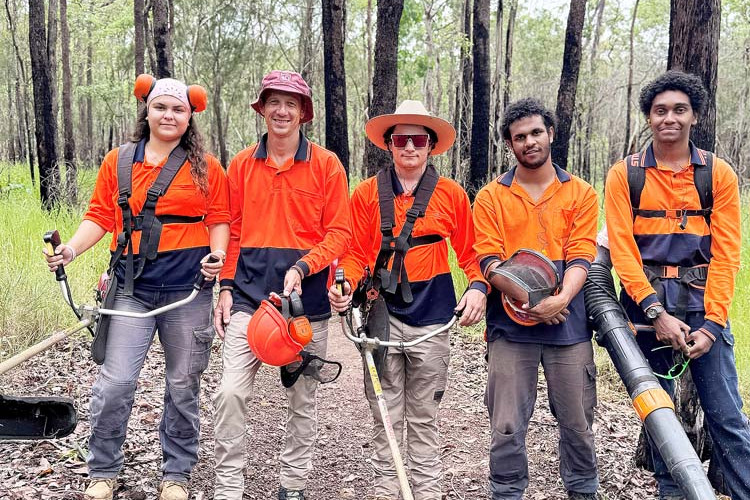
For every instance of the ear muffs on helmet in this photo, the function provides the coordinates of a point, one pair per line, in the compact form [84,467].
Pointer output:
[277,337]
[197,97]
[144,84]
[528,277]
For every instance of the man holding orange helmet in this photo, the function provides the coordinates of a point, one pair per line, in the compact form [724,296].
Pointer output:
[534,218]
[289,207]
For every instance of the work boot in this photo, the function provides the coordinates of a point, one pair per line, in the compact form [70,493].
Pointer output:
[285,494]
[173,490]
[100,489]
[576,495]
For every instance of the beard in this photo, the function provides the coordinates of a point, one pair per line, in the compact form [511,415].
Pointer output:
[539,161]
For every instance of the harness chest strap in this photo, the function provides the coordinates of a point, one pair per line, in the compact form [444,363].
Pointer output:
[146,221]
[395,247]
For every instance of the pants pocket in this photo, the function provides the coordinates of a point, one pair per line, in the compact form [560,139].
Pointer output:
[201,349]
[589,386]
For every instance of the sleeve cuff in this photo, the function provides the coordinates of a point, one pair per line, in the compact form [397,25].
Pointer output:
[226,282]
[485,262]
[305,268]
[579,262]
[713,327]
[648,302]
[478,285]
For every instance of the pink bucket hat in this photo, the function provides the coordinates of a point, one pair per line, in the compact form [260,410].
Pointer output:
[287,81]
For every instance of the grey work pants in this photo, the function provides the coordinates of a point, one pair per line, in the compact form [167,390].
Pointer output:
[413,383]
[510,397]
[231,402]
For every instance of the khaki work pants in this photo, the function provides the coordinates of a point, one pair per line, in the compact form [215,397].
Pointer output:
[231,402]
[413,382]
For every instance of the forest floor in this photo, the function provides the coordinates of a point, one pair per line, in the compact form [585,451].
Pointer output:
[56,469]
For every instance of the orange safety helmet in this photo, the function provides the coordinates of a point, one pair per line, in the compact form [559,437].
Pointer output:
[528,277]
[277,337]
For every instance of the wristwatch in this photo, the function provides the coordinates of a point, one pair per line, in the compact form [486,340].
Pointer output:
[653,311]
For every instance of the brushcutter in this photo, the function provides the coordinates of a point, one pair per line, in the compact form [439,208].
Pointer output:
[355,331]
[54,417]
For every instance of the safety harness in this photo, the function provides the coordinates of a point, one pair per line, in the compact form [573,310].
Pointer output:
[146,221]
[688,277]
[395,247]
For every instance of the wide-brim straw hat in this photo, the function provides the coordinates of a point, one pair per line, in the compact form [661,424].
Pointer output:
[412,113]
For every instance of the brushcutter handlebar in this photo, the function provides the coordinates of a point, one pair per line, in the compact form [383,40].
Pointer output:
[52,239]
[357,334]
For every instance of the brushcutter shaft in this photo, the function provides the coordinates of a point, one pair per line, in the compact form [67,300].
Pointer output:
[43,345]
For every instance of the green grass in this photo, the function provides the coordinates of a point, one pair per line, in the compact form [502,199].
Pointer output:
[31,306]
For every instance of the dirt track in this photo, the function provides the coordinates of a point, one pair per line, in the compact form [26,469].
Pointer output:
[55,469]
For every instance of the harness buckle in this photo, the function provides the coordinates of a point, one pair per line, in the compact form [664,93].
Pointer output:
[412,214]
[670,272]
[674,213]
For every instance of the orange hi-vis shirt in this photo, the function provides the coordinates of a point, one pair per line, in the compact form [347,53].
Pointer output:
[561,224]
[661,242]
[448,215]
[281,215]
[181,246]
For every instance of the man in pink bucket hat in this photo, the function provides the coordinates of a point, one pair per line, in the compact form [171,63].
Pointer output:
[289,206]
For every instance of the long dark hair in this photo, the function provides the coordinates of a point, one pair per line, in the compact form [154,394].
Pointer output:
[191,141]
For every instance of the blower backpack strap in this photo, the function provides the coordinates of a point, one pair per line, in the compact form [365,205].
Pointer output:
[395,247]
[702,177]
[694,276]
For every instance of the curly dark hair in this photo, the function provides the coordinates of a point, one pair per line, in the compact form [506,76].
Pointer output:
[524,108]
[192,142]
[673,79]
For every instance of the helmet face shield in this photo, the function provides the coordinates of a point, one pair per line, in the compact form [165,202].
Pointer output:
[528,277]
[277,334]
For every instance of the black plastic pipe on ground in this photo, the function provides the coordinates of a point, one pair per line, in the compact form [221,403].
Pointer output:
[615,333]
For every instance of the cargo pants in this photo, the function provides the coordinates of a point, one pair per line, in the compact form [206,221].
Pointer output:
[510,397]
[231,403]
[413,383]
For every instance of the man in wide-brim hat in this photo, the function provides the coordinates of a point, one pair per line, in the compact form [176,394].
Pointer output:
[412,277]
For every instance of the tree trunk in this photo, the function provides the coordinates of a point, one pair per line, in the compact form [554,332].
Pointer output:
[139,38]
[334,38]
[52,20]
[11,135]
[497,144]
[508,65]
[21,99]
[306,62]
[149,38]
[629,146]
[566,94]
[509,50]
[432,86]
[586,164]
[69,149]
[694,48]
[90,103]
[218,120]
[461,150]
[162,39]
[46,128]
[384,96]
[480,126]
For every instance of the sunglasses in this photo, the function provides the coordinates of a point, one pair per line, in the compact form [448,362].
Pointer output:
[417,140]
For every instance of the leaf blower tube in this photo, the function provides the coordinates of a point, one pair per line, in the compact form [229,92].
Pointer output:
[652,403]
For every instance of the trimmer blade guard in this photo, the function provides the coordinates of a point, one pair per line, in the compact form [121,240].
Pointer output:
[36,417]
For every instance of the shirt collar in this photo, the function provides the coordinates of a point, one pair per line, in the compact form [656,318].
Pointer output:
[697,156]
[507,179]
[300,155]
